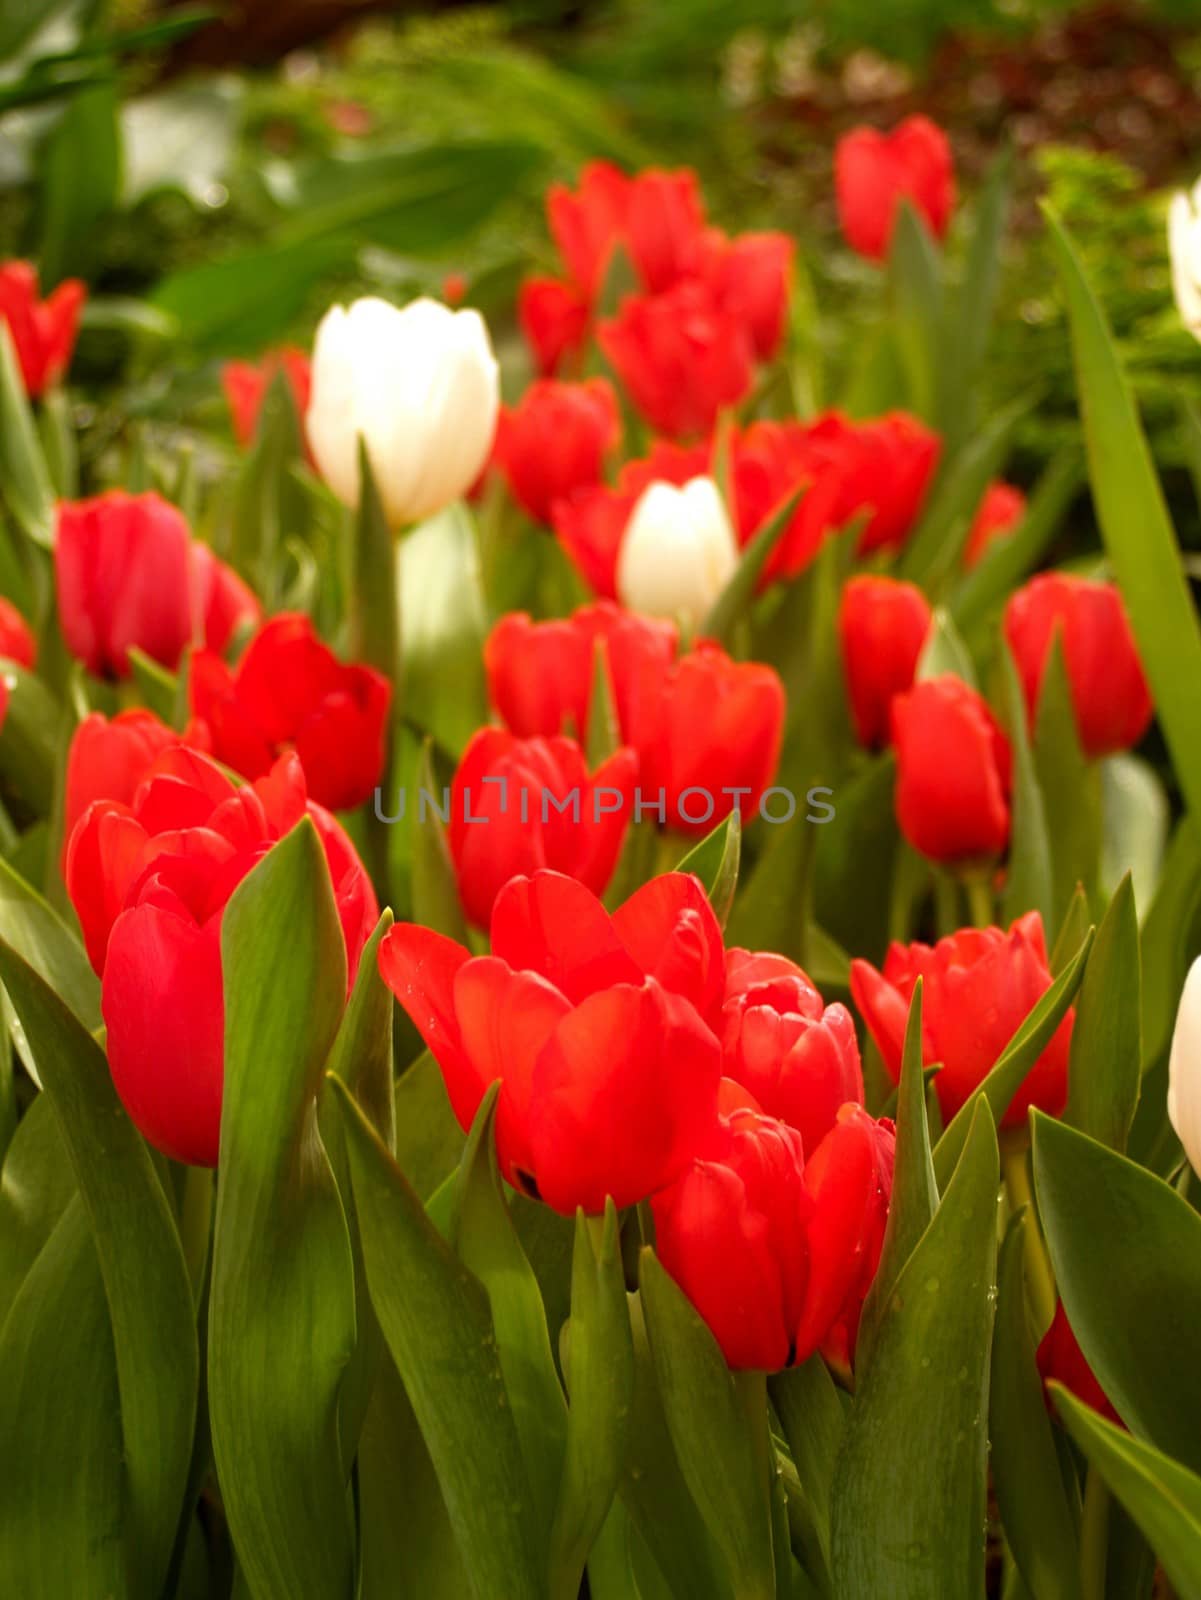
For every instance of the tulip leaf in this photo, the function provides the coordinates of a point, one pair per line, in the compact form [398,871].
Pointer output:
[715,862]
[158,688]
[914,1189]
[1015,1061]
[861,849]
[1070,784]
[281,1311]
[483,1235]
[435,886]
[36,1186]
[599,1368]
[141,1262]
[974,305]
[1072,932]
[1165,937]
[1040,1520]
[375,601]
[268,505]
[736,598]
[81,179]
[919,304]
[1135,816]
[604,725]
[1127,1256]
[812,1417]
[436,1320]
[444,625]
[945,652]
[909,1496]
[29,749]
[429,1140]
[1106,1060]
[1029,884]
[1163,1497]
[1135,524]
[718,1424]
[39,935]
[24,477]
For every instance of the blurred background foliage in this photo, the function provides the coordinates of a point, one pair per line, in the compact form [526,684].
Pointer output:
[219,173]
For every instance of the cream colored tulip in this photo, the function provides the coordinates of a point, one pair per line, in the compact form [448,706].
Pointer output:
[419,386]
[1184,1069]
[678,551]
[1184,242]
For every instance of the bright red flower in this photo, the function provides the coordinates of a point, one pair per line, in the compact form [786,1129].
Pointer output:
[517,805]
[874,172]
[664,227]
[553,443]
[150,881]
[128,574]
[882,626]
[954,769]
[978,987]
[555,319]
[43,332]
[680,356]
[108,760]
[246,384]
[1109,691]
[17,642]
[586,225]
[1060,1359]
[751,279]
[999,513]
[797,1056]
[290,692]
[599,1027]
[776,1253]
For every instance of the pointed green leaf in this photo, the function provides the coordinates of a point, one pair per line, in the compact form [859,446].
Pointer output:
[813,1420]
[915,281]
[375,606]
[715,862]
[36,1186]
[158,688]
[1165,937]
[1029,882]
[1106,1062]
[39,935]
[975,303]
[1072,932]
[945,652]
[435,884]
[24,478]
[1135,817]
[1069,783]
[736,598]
[444,625]
[604,727]
[29,749]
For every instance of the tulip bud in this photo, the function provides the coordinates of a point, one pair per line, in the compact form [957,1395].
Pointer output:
[678,551]
[875,172]
[954,767]
[1184,242]
[419,387]
[42,331]
[1184,1069]
[882,626]
[998,514]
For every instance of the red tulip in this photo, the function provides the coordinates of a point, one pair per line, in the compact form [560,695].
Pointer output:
[289,691]
[978,987]
[128,574]
[953,772]
[17,642]
[555,319]
[1109,692]
[874,172]
[150,881]
[599,1027]
[43,332]
[751,279]
[664,229]
[798,1057]
[540,674]
[555,440]
[108,760]
[518,805]
[999,513]
[586,225]
[246,384]
[882,626]
[776,1253]
[1060,1359]
[680,357]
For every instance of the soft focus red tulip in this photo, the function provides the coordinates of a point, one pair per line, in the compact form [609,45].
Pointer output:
[1109,691]
[777,1253]
[246,384]
[999,513]
[680,356]
[874,172]
[882,626]
[150,881]
[978,987]
[797,1056]
[43,332]
[128,574]
[555,440]
[517,805]
[290,692]
[1061,1360]
[17,642]
[600,1028]
[954,769]
[664,228]
[587,224]
[107,760]
[751,279]
[555,319]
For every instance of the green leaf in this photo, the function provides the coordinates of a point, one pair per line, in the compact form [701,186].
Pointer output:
[1165,937]
[975,302]
[604,725]
[28,751]
[1163,1497]
[945,652]
[39,936]
[24,477]
[1135,817]
[914,1189]
[915,281]
[281,1311]
[36,1186]
[436,901]
[141,1262]
[444,627]
[736,598]
[1072,932]
[718,1425]
[715,862]
[1106,1060]
[158,688]
[812,1417]
[429,1140]
[909,1498]
[1039,1519]
[1015,1061]
[1069,783]
[1029,882]
[599,1368]
[1137,530]
[268,505]
[436,1320]
[1127,1256]
[375,607]
[81,175]
[860,850]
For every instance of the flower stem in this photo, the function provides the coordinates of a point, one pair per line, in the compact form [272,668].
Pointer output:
[1094,1536]
[980,902]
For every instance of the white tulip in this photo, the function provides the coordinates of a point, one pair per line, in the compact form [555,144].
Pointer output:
[677,552]
[419,386]
[1184,242]
[1184,1069]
